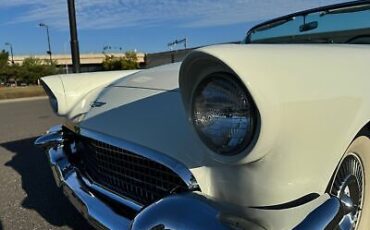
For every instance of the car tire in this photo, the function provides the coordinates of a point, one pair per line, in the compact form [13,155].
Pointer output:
[352,180]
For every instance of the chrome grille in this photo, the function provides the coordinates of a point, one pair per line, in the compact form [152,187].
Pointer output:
[128,174]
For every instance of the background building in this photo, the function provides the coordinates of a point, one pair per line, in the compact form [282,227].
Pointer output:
[89,62]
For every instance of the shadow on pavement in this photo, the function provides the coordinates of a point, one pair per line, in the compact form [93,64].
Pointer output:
[37,181]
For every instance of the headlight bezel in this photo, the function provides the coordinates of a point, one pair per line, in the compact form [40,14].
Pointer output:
[251,136]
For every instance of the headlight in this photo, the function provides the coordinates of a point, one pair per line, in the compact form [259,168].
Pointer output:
[224,114]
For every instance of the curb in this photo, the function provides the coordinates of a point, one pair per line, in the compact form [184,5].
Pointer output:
[23,99]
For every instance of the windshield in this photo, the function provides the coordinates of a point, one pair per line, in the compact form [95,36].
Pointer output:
[349,23]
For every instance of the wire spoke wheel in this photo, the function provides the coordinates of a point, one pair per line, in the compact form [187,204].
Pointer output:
[348,186]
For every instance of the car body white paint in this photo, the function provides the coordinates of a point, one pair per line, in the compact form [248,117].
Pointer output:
[71,90]
[312,100]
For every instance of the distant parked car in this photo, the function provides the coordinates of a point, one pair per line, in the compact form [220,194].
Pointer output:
[272,133]
[11,84]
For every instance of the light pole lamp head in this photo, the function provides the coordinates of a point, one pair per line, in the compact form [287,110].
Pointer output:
[43,25]
[8,44]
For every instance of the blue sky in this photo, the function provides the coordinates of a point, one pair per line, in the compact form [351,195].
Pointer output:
[144,25]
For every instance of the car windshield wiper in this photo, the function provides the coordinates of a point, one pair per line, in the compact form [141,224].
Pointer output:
[349,9]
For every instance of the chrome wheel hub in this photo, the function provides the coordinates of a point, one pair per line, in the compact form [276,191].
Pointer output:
[348,187]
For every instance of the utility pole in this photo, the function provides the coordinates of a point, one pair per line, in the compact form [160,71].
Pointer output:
[171,45]
[74,39]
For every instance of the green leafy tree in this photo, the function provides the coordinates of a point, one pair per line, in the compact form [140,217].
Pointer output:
[4,57]
[4,66]
[111,62]
[129,61]
[33,69]
[29,72]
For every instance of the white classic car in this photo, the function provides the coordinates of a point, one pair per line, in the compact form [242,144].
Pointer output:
[272,133]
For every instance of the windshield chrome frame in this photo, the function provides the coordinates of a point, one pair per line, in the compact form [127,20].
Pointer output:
[302,14]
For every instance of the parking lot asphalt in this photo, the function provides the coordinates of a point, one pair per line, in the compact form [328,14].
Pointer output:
[29,198]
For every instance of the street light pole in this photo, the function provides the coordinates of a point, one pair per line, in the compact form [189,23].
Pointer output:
[74,39]
[47,33]
[11,50]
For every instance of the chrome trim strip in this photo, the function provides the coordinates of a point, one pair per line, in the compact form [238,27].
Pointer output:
[94,210]
[180,169]
[111,195]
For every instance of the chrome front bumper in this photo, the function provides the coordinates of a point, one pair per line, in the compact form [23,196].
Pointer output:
[191,210]
[99,214]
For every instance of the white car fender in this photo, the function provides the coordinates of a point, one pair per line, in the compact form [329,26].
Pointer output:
[71,89]
[312,99]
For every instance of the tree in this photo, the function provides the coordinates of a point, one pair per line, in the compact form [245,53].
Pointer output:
[34,68]
[29,72]
[129,61]
[111,62]
[4,57]
[4,66]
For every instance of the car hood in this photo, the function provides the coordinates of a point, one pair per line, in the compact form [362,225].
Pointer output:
[146,109]
[161,78]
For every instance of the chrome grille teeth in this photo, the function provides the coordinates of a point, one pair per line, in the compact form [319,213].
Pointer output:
[128,174]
